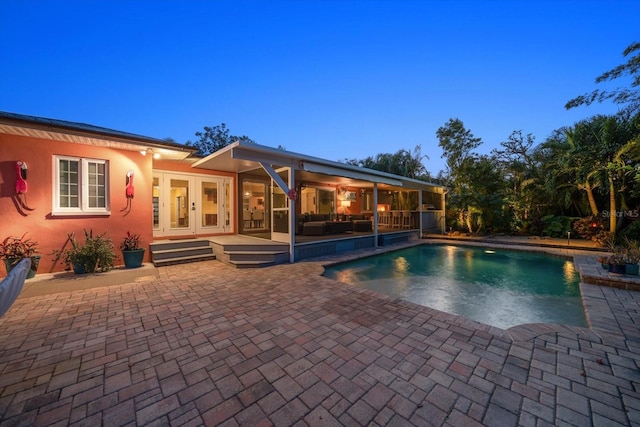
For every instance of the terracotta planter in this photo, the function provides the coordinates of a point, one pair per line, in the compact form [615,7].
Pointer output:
[9,263]
[133,258]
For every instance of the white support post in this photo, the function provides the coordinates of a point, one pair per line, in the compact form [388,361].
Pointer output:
[292,216]
[444,215]
[420,211]
[375,215]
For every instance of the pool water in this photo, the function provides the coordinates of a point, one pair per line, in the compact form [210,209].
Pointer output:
[498,287]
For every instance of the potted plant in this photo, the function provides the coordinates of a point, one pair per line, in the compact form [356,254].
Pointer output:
[617,263]
[132,253]
[96,254]
[604,262]
[631,256]
[14,249]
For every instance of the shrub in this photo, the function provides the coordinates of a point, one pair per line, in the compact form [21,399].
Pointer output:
[556,226]
[96,254]
[18,247]
[592,228]
[632,231]
[131,242]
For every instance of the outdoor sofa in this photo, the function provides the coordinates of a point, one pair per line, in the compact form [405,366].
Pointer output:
[321,224]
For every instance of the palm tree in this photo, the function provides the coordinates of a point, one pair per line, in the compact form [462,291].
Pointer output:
[560,172]
[598,150]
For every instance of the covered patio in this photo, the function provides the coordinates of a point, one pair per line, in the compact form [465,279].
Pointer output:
[320,207]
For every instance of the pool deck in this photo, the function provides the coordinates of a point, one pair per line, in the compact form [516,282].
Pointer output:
[208,344]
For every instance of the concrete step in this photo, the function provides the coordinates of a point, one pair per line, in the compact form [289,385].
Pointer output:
[178,244]
[183,259]
[251,255]
[267,256]
[181,251]
[252,264]
[267,247]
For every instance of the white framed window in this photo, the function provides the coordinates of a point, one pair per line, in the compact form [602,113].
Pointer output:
[81,186]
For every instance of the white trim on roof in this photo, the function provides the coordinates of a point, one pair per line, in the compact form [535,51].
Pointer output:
[346,173]
[239,157]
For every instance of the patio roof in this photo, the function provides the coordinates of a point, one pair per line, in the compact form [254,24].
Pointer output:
[242,157]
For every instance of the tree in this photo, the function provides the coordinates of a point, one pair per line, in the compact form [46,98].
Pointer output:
[516,159]
[403,163]
[520,170]
[215,138]
[629,96]
[600,154]
[477,194]
[457,145]
[560,187]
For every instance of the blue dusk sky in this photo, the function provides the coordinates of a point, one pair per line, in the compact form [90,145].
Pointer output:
[339,79]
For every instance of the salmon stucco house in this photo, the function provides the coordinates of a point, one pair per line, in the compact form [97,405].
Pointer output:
[248,204]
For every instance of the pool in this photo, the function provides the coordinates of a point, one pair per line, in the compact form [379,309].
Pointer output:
[494,286]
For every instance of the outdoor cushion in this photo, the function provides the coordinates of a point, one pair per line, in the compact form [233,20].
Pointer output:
[337,227]
[362,225]
[313,228]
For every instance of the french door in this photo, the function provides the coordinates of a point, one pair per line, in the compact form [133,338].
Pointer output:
[280,209]
[185,204]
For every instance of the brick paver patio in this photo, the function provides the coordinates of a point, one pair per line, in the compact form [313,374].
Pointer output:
[207,344]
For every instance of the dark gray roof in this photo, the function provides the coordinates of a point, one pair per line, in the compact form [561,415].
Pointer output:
[83,127]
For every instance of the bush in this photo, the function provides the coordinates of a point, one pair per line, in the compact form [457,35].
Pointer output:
[96,254]
[130,242]
[592,228]
[556,226]
[18,247]
[632,231]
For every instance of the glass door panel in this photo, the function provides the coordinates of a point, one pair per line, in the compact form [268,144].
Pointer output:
[213,213]
[155,190]
[254,219]
[280,209]
[179,211]
[209,205]
[326,201]
[227,205]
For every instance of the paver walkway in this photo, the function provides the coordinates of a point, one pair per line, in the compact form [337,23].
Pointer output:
[207,344]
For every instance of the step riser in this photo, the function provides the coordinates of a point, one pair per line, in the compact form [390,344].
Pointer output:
[179,245]
[253,248]
[266,258]
[254,265]
[182,252]
[245,261]
[174,261]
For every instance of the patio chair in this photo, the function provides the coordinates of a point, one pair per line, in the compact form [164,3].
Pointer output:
[384,218]
[11,286]
[247,218]
[396,219]
[258,218]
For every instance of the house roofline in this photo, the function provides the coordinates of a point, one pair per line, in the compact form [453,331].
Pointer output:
[298,157]
[86,130]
